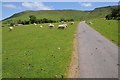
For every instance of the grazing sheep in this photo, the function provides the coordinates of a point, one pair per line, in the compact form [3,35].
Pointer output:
[62,26]
[51,25]
[62,21]
[90,23]
[72,23]
[18,25]
[10,28]
[58,48]
[41,26]
[35,24]
[84,21]
[65,25]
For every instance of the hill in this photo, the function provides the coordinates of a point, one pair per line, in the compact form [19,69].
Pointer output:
[49,14]
[100,12]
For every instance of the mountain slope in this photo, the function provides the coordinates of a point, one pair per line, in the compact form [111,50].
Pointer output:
[62,14]
[49,14]
[101,12]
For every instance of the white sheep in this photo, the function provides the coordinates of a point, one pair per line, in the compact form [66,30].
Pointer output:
[62,26]
[65,25]
[18,25]
[58,48]
[84,21]
[72,23]
[62,21]
[51,25]
[35,24]
[10,28]
[90,23]
[41,26]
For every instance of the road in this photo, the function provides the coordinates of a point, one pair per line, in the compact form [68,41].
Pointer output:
[98,57]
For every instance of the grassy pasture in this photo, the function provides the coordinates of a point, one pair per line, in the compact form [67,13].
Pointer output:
[108,28]
[33,52]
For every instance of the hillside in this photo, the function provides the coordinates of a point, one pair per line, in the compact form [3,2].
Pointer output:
[49,14]
[100,12]
[62,14]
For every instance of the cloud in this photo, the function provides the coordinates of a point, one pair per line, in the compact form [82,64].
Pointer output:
[10,6]
[38,5]
[86,4]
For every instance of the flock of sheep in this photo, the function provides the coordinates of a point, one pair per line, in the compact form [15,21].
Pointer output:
[61,26]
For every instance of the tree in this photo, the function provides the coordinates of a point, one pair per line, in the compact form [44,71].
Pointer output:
[71,20]
[33,19]
[45,20]
[108,17]
[115,14]
[12,24]
[62,19]
[19,21]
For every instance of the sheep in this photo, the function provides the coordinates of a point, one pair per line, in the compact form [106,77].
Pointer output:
[18,24]
[62,21]
[90,23]
[41,26]
[51,25]
[65,25]
[62,26]
[58,48]
[72,23]
[10,28]
[35,24]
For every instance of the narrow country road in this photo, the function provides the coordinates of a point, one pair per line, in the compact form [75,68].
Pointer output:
[98,57]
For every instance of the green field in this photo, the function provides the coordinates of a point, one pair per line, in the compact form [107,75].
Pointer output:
[33,52]
[108,28]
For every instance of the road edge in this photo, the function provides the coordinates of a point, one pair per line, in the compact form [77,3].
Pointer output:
[73,71]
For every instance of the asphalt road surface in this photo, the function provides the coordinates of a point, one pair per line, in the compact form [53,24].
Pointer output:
[98,57]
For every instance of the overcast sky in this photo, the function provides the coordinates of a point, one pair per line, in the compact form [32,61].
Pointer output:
[10,8]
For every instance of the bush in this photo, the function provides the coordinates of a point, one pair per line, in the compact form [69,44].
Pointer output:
[12,24]
[114,15]
[109,17]
[32,19]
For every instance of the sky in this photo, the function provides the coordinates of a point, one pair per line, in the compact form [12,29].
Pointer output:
[10,8]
